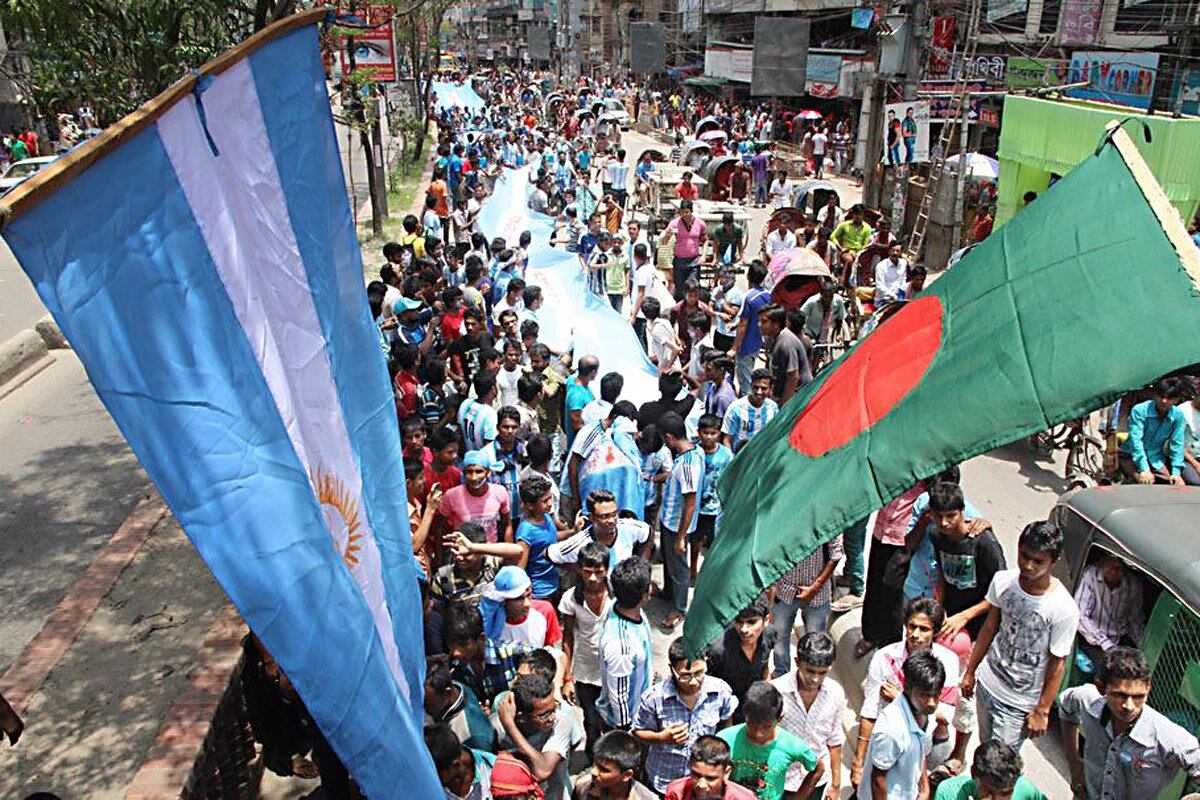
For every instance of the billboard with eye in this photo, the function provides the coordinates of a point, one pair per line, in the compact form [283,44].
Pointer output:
[371,48]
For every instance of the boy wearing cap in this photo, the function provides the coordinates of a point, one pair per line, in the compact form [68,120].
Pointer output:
[510,614]
[477,500]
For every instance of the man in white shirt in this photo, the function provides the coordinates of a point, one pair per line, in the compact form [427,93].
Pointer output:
[780,239]
[645,282]
[830,215]
[617,175]
[890,276]
[820,141]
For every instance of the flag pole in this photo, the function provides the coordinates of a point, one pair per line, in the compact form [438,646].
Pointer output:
[29,193]
[1160,204]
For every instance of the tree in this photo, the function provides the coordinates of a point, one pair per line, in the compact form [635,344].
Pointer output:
[117,54]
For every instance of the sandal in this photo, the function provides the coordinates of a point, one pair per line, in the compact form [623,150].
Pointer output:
[862,648]
[671,622]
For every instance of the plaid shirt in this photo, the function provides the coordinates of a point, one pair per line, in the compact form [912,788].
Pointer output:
[500,661]
[804,573]
[661,707]
[449,585]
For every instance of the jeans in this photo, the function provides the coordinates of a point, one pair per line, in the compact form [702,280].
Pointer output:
[681,270]
[615,300]
[676,575]
[783,618]
[760,192]
[745,366]
[854,541]
[999,720]
[588,694]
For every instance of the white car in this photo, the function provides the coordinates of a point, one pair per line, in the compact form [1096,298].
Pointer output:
[23,170]
[613,110]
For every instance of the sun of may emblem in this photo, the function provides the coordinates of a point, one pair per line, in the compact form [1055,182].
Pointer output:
[341,515]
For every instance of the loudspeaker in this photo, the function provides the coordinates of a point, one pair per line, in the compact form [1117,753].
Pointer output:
[647,48]
[780,60]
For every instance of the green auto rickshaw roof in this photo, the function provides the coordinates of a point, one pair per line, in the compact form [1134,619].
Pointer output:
[1159,525]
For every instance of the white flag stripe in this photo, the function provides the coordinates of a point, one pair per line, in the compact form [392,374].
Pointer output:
[230,195]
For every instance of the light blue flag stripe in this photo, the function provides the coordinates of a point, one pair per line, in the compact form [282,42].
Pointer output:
[307,159]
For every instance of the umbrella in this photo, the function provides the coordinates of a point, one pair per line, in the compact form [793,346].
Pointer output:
[710,136]
[978,166]
[610,116]
[808,113]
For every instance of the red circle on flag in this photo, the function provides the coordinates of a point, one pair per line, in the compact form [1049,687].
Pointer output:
[877,375]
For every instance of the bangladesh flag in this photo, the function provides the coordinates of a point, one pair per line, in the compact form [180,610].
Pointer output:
[1090,292]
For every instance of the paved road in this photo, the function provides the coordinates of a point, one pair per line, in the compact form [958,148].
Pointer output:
[20,307]
[67,480]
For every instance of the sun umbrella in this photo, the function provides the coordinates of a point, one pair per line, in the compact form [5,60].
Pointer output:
[978,166]
[808,113]
[711,136]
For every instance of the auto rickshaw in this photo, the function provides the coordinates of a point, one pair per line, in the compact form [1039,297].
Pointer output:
[811,195]
[1152,531]
[695,155]
[718,171]
[795,275]
[707,124]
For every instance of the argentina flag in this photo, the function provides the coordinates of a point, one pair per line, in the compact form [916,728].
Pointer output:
[201,260]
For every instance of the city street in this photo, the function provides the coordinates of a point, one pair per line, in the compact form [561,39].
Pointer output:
[68,479]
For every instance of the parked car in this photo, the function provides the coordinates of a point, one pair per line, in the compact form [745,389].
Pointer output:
[1152,529]
[21,171]
[614,109]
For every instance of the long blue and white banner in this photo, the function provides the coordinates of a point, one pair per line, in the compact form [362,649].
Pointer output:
[206,272]
[572,316]
[458,95]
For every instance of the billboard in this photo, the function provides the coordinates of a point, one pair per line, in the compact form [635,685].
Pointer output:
[1123,78]
[647,48]
[905,133]
[1035,73]
[780,57]
[731,62]
[824,75]
[371,49]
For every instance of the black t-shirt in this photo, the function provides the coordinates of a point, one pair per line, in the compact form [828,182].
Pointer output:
[727,661]
[468,351]
[650,413]
[967,567]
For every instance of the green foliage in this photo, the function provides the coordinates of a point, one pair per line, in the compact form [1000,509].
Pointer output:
[116,54]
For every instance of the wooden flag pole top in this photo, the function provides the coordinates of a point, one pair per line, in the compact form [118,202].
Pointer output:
[29,193]
[1160,204]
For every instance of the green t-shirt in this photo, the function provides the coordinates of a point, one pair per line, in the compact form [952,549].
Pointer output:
[763,770]
[963,788]
[616,276]
[724,239]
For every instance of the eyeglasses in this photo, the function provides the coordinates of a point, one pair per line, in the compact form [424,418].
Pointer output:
[548,714]
[598,516]
[690,677]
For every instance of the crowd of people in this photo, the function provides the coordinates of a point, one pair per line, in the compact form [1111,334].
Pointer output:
[542,677]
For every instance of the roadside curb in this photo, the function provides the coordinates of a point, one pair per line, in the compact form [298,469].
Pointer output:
[28,352]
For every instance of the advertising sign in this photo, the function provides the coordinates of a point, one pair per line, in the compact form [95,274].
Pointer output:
[1035,73]
[906,133]
[1080,22]
[1125,79]
[941,44]
[939,107]
[374,48]
[824,74]
[1187,92]
[992,68]
[729,62]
